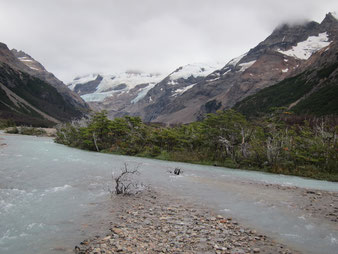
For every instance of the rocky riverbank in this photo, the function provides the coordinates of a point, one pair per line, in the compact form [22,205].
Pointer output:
[154,223]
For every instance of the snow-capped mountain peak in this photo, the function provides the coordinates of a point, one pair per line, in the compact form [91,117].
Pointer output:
[335,15]
[303,50]
[195,70]
[82,80]
[236,60]
[97,87]
[28,61]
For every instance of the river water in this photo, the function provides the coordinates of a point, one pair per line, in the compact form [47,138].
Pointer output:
[53,196]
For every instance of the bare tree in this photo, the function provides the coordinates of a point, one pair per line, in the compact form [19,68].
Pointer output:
[124,183]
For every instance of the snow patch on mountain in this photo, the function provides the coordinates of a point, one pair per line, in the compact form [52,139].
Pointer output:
[130,79]
[182,90]
[143,92]
[25,59]
[117,83]
[214,79]
[245,66]
[82,80]
[94,97]
[235,61]
[172,82]
[31,63]
[303,50]
[335,15]
[225,73]
[195,70]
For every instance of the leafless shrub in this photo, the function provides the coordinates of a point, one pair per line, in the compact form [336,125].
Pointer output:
[125,182]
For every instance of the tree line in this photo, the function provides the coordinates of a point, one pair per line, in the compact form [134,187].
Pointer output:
[274,143]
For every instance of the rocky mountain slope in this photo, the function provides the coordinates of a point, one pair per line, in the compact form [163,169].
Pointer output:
[285,53]
[314,91]
[123,93]
[26,63]
[30,95]
[191,91]
[116,91]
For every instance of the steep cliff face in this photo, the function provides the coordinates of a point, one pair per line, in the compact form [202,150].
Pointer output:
[31,95]
[28,64]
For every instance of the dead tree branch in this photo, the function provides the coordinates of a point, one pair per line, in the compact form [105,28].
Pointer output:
[124,183]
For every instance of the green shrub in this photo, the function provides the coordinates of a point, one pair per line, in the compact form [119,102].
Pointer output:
[226,138]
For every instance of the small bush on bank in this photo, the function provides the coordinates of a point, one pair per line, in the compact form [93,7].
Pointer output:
[23,130]
[6,124]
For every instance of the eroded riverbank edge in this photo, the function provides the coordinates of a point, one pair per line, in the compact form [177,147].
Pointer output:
[153,222]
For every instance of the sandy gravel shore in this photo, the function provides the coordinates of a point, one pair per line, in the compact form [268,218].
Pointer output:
[158,223]
[322,205]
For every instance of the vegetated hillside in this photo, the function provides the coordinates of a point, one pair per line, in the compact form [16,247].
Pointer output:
[27,100]
[30,95]
[314,91]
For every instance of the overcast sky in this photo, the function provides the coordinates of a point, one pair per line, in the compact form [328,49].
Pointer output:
[76,37]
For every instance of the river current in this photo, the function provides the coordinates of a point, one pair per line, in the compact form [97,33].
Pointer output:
[53,196]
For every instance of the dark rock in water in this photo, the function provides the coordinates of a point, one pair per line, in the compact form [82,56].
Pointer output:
[177,171]
[84,242]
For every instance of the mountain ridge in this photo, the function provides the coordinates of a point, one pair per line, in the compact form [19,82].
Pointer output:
[30,95]
[286,52]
